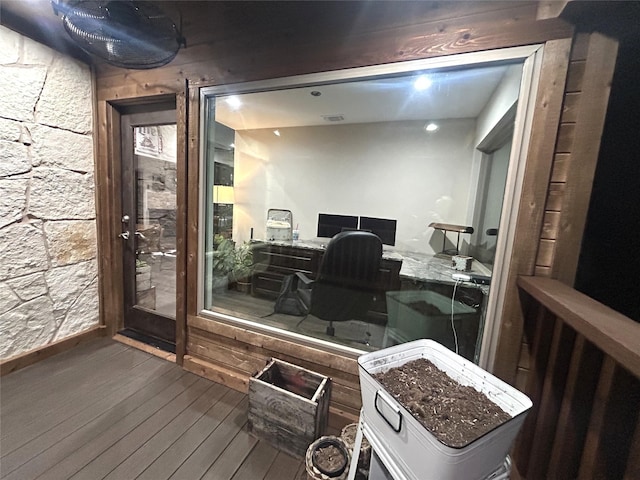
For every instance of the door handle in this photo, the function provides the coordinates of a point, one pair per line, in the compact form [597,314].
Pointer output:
[139,234]
[124,235]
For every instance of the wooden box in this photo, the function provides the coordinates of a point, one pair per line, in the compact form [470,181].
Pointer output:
[288,406]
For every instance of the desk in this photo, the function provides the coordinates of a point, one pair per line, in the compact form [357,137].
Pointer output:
[274,260]
[405,274]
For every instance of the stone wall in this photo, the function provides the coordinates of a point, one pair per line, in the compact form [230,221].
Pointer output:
[48,268]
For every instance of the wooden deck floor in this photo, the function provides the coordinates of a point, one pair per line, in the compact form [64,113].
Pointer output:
[107,410]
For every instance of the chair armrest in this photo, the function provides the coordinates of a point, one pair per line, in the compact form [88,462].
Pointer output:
[304,279]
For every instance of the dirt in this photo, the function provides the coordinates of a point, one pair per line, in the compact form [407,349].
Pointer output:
[329,458]
[425,308]
[455,414]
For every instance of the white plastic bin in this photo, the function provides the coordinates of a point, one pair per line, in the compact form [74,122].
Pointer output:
[416,451]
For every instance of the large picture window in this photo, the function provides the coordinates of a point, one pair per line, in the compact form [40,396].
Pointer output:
[359,209]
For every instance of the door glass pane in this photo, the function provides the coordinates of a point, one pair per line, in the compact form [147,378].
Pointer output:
[155,225]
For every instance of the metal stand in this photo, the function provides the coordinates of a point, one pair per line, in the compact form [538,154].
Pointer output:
[378,446]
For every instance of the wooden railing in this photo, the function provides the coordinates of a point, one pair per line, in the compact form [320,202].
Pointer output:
[584,382]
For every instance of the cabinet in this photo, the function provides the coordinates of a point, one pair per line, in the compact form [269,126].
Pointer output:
[272,262]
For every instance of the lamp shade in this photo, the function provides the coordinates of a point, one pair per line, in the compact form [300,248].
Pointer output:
[222,194]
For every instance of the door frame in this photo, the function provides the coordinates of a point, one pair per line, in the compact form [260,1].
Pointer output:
[109,208]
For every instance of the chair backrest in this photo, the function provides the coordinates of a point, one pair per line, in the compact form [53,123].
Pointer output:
[348,275]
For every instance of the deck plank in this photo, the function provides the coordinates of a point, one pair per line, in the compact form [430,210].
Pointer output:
[232,457]
[144,456]
[284,467]
[184,446]
[66,395]
[257,463]
[90,450]
[152,379]
[213,446]
[105,410]
[120,450]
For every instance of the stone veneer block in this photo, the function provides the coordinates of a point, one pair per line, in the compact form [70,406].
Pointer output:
[20,86]
[29,286]
[22,250]
[72,110]
[26,327]
[66,284]
[70,241]
[53,147]
[8,299]
[15,159]
[82,314]
[10,43]
[61,195]
[9,130]
[13,200]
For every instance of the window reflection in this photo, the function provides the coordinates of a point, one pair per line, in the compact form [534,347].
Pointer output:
[398,153]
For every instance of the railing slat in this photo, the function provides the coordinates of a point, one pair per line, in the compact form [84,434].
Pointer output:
[541,345]
[633,466]
[552,393]
[591,465]
[574,415]
[616,335]
[585,385]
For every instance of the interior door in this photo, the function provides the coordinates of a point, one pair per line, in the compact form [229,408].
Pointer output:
[149,181]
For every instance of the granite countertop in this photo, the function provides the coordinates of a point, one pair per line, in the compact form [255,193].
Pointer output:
[415,265]
[422,266]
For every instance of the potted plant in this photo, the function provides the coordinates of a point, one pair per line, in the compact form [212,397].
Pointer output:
[223,261]
[143,275]
[242,268]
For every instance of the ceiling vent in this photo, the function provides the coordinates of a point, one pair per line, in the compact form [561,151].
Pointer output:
[333,118]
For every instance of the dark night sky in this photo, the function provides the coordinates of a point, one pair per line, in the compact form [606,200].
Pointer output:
[609,268]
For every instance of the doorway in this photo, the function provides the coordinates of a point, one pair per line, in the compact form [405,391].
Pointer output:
[148,217]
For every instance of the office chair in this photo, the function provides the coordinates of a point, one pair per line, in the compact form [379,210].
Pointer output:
[346,283]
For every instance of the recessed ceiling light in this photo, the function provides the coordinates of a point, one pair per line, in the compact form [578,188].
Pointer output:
[431,127]
[234,102]
[422,83]
[316,93]
[276,133]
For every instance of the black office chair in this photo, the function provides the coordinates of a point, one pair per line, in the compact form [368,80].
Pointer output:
[345,286]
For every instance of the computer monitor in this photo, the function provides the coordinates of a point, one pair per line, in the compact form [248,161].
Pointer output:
[330,225]
[382,227]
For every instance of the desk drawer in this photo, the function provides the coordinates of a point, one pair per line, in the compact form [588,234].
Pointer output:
[266,284]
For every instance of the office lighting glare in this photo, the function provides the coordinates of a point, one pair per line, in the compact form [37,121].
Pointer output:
[276,133]
[233,102]
[422,83]
[431,127]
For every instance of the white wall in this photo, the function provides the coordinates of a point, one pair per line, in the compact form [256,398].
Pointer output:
[48,269]
[389,170]
[505,95]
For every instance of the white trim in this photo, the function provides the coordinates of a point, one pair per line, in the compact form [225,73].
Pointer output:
[510,207]
[532,56]
[464,59]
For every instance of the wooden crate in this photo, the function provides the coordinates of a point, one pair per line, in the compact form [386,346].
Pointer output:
[288,406]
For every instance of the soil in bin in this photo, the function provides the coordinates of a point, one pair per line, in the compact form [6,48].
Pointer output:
[425,308]
[329,458]
[455,414]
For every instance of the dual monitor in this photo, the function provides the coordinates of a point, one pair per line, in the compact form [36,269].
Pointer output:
[330,225]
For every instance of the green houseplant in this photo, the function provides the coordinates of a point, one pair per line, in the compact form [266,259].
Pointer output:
[222,262]
[242,267]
